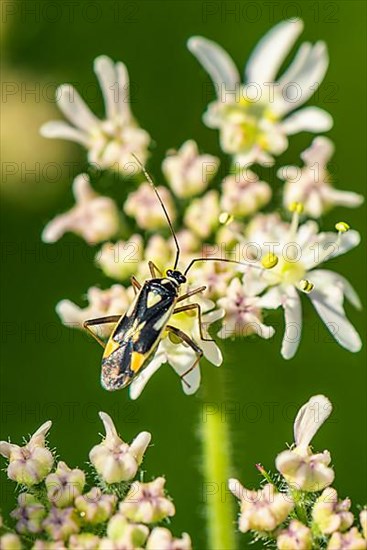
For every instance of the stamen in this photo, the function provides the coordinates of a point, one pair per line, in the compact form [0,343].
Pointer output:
[225,218]
[269,260]
[341,227]
[296,208]
[306,286]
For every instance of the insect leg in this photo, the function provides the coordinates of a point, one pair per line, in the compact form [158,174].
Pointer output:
[196,306]
[192,345]
[136,284]
[100,321]
[191,293]
[154,270]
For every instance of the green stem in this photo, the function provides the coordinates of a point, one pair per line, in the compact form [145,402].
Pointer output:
[216,449]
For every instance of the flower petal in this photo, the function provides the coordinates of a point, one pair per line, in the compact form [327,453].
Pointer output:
[62,130]
[104,68]
[333,315]
[302,87]
[325,278]
[217,62]
[309,419]
[74,108]
[271,51]
[137,385]
[293,323]
[309,119]
[344,198]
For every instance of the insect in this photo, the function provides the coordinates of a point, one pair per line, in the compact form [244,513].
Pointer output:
[138,332]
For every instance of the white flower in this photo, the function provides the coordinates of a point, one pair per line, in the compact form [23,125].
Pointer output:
[94,218]
[110,142]
[243,194]
[311,185]
[114,460]
[112,301]
[202,215]
[301,468]
[120,260]
[31,463]
[298,250]
[243,310]
[250,116]
[187,172]
[261,510]
[178,354]
[145,208]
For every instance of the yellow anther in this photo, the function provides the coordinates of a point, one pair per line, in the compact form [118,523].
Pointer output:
[269,260]
[342,227]
[296,207]
[225,218]
[306,286]
[174,338]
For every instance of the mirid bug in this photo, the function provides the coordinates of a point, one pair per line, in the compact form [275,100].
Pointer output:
[137,333]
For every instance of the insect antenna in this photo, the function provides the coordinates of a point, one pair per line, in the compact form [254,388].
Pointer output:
[151,182]
[248,264]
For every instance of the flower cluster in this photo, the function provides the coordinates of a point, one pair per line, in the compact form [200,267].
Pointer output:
[298,509]
[105,508]
[217,215]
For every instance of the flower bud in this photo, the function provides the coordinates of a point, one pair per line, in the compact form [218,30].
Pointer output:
[122,534]
[261,510]
[10,541]
[147,503]
[352,540]
[30,464]
[94,506]
[162,539]
[296,537]
[114,460]
[29,514]
[85,541]
[64,485]
[120,260]
[187,172]
[331,515]
[61,523]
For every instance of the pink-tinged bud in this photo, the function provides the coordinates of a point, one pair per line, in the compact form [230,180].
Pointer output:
[162,539]
[30,464]
[64,485]
[261,510]
[147,502]
[352,540]
[29,514]
[95,507]
[114,460]
[331,514]
[187,172]
[244,194]
[61,523]
[145,208]
[296,537]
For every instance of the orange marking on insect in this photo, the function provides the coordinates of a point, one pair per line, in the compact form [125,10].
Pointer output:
[137,360]
[111,346]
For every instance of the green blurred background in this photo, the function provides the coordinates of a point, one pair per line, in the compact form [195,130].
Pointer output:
[51,372]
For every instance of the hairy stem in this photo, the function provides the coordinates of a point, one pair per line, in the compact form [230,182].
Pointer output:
[216,449]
